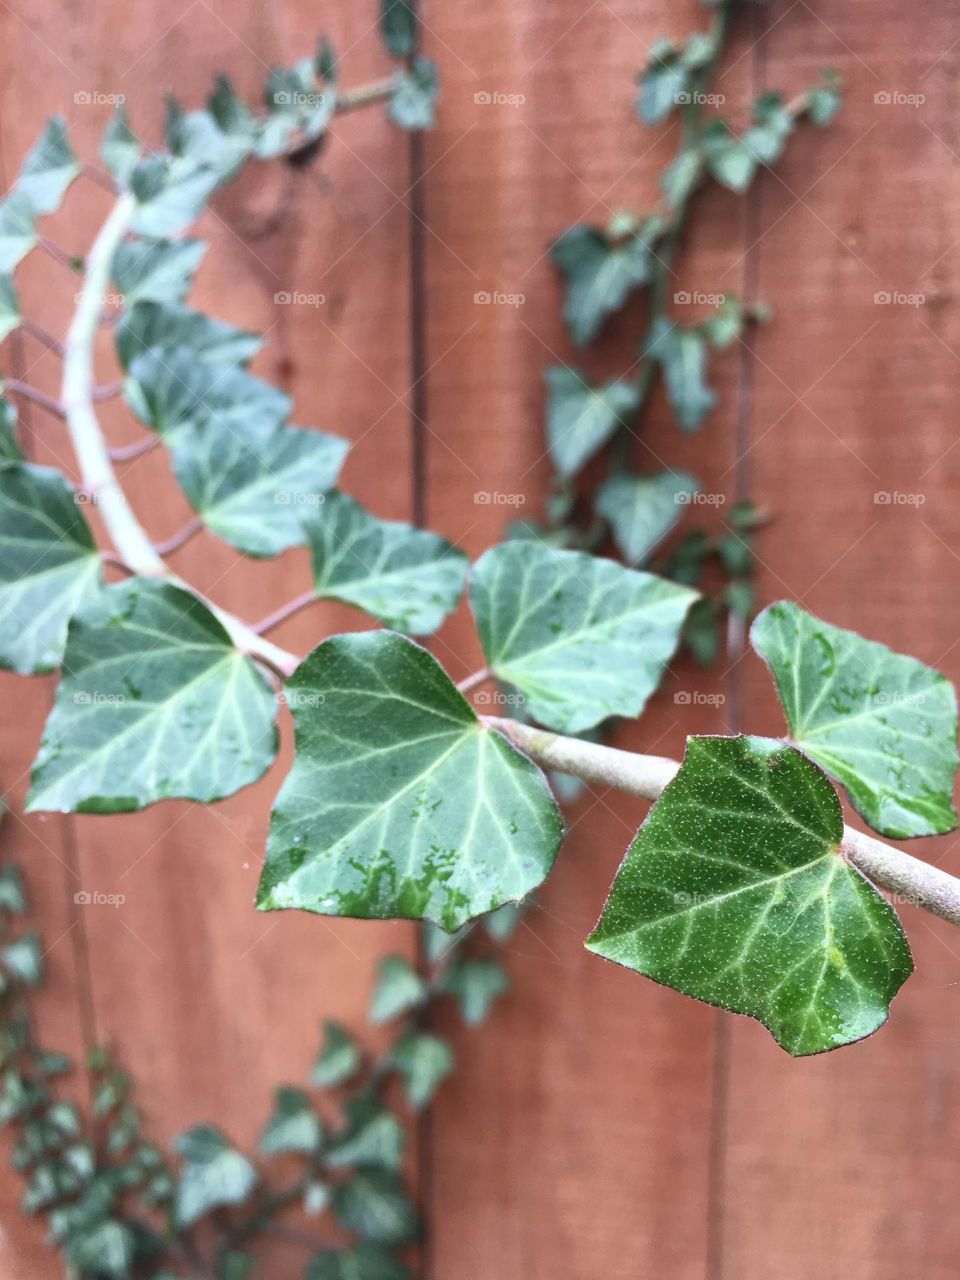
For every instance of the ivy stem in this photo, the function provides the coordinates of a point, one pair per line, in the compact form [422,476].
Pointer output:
[98,478]
[377,91]
[910,879]
[178,539]
[471,682]
[285,611]
[38,397]
[127,452]
[37,331]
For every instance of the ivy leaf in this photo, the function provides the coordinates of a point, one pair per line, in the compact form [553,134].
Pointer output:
[293,1126]
[729,160]
[681,177]
[49,169]
[581,418]
[120,149]
[682,354]
[12,896]
[582,638]
[643,509]
[10,316]
[735,892]
[170,389]
[399,988]
[108,1248]
[475,983]
[252,482]
[171,192]
[824,102]
[374,1203]
[662,82]
[773,125]
[49,566]
[156,270]
[398,26]
[406,577]
[23,959]
[883,724]
[373,1137]
[424,1061]
[154,703]
[18,229]
[400,802]
[10,451]
[601,273]
[161,324]
[214,1174]
[414,100]
[364,1262]
[339,1058]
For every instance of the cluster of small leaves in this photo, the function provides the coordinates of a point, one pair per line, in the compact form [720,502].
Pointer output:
[119,1209]
[603,268]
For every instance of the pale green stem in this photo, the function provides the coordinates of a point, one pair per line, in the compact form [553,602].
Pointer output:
[98,478]
[909,879]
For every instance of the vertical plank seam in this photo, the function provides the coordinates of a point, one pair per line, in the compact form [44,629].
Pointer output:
[715,1262]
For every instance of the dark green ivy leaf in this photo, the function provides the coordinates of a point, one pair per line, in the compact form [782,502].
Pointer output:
[735,892]
[643,509]
[12,895]
[10,451]
[293,1126]
[155,702]
[406,577]
[398,26]
[424,1061]
[49,566]
[373,1137]
[662,83]
[883,724]
[601,272]
[582,638]
[581,418]
[374,1203]
[682,354]
[399,988]
[365,1262]
[49,169]
[213,1174]
[400,802]
[339,1058]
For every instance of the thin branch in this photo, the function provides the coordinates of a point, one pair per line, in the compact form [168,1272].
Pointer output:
[127,452]
[53,250]
[38,397]
[109,391]
[37,331]
[100,177]
[352,99]
[97,475]
[177,540]
[913,880]
[471,682]
[285,611]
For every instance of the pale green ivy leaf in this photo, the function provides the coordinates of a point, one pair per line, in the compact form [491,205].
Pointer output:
[49,566]
[120,149]
[10,451]
[49,169]
[293,1126]
[374,1203]
[413,103]
[581,637]
[424,1061]
[399,988]
[475,983]
[581,418]
[213,1174]
[171,192]
[642,510]
[339,1058]
[373,1136]
[601,273]
[18,229]
[882,723]
[10,316]
[400,802]
[735,892]
[154,703]
[162,324]
[408,578]
[682,354]
[156,270]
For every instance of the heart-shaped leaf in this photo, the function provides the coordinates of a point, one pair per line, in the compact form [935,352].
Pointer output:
[293,1126]
[161,324]
[413,104]
[400,802]
[18,229]
[213,1174]
[682,354]
[49,565]
[155,702]
[582,638]
[735,892]
[424,1061]
[120,149]
[156,270]
[600,274]
[883,724]
[582,418]
[170,191]
[643,509]
[49,168]
[374,1203]
[253,484]
[408,578]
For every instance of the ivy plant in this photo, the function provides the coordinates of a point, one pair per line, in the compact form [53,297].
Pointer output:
[743,887]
